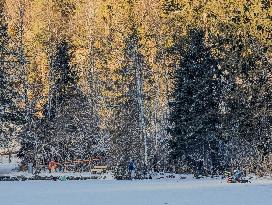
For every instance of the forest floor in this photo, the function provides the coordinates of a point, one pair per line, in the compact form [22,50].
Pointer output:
[187,191]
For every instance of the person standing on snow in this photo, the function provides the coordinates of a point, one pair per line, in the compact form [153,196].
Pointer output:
[30,168]
[237,176]
[132,169]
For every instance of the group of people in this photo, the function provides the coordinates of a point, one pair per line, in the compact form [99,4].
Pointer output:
[236,176]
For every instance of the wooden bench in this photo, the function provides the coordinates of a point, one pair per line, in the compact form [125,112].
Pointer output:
[99,169]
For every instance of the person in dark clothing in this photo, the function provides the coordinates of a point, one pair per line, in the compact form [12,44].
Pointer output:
[237,176]
[132,169]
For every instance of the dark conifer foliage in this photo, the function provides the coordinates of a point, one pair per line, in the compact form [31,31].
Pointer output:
[128,131]
[195,108]
[10,115]
[175,85]
[246,122]
[65,76]
[64,79]
[68,130]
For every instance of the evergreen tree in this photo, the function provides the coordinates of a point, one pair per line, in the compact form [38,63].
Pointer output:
[64,79]
[10,115]
[129,115]
[195,114]
[68,130]
[246,122]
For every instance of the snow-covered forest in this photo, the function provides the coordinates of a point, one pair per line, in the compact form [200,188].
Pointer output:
[176,85]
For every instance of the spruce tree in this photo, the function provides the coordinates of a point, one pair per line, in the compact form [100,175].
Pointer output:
[128,131]
[10,115]
[247,120]
[64,79]
[195,114]
[68,125]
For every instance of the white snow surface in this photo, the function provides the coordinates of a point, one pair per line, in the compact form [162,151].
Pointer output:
[7,168]
[139,192]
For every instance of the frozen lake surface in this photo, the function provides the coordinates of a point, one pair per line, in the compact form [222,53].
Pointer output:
[142,192]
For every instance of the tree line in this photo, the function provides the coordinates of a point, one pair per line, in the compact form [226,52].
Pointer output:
[174,84]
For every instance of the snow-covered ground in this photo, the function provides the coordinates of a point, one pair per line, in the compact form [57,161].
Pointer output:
[4,159]
[138,192]
[7,168]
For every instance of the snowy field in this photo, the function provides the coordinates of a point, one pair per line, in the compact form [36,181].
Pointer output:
[146,192]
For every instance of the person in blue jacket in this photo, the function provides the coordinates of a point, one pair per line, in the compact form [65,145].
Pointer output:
[237,175]
[132,169]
